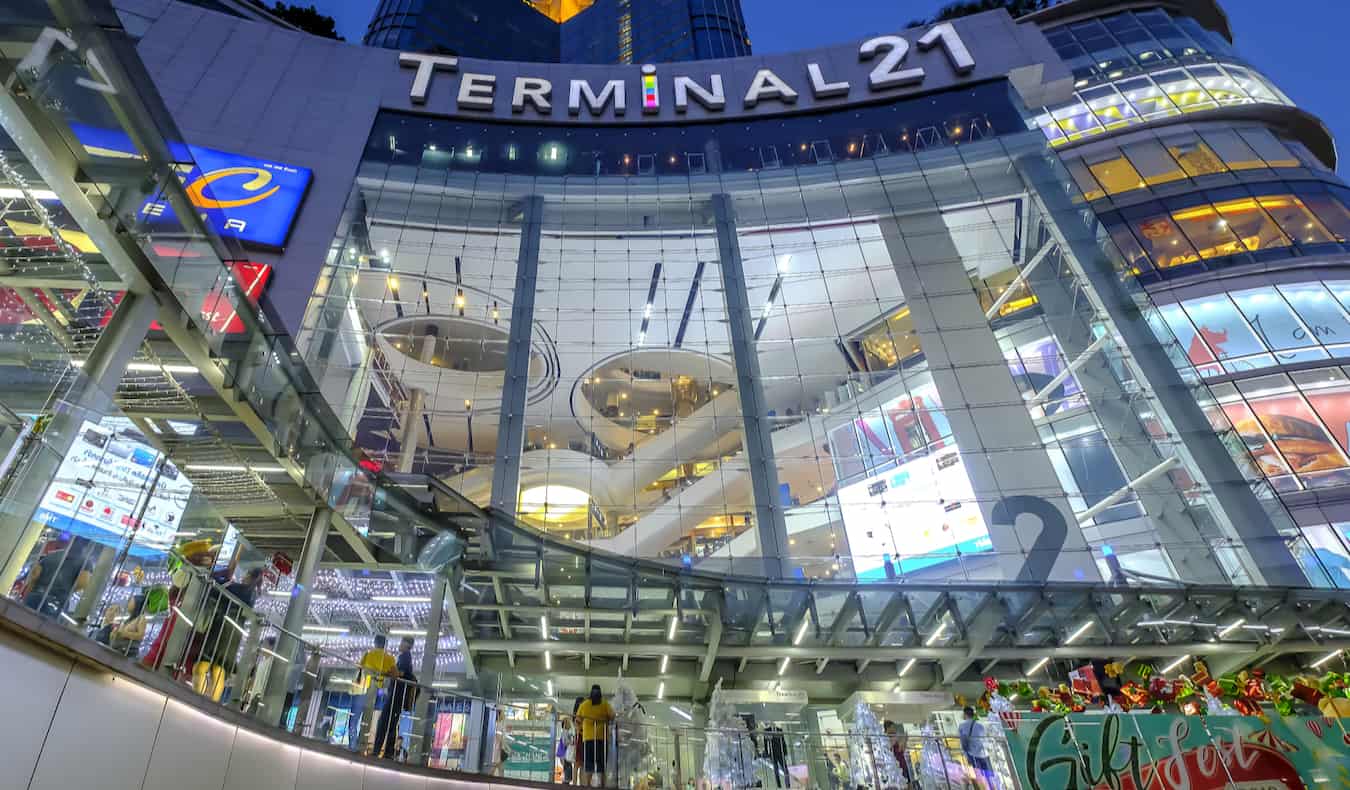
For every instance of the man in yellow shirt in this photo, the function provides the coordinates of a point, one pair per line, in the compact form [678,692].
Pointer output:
[377,666]
[593,717]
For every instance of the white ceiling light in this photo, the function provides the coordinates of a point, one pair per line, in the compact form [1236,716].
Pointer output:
[1082,629]
[400,598]
[783,665]
[908,666]
[1038,665]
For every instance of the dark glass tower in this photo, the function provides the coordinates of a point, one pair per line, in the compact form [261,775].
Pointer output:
[655,31]
[568,31]
[498,29]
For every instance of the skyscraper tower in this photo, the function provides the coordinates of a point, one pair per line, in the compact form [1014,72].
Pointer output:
[567,31]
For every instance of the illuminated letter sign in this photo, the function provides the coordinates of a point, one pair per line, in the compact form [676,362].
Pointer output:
[889,63]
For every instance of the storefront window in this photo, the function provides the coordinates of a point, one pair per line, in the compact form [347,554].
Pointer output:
[1116,174]
[1277,326]
[1196,158]
[1223,328]
[1160,238]
[1154,163]
[1208,231]
[1234,151]
[1245,218]
[1323,315]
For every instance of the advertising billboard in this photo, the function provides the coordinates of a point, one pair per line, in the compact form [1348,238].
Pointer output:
[102,484]
[916,515]
[241,197]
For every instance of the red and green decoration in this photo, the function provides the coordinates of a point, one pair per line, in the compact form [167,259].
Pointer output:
[1247,693]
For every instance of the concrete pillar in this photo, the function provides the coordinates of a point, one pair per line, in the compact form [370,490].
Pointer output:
[1030,521]
[90,398]
[515,384]
[1234,503]
[430,651]
[289,646]
[412,434]
[769,520]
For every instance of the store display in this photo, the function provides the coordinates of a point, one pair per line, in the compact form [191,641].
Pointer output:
[109,478]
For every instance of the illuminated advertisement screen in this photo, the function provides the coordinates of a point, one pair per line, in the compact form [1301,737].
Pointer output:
[913,516]
[241,197]
[103,482]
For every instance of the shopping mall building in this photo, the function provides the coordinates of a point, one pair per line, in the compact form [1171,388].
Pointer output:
[990,348]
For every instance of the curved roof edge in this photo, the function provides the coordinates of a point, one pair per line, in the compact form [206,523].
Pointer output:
[1206,12]
[1298,123]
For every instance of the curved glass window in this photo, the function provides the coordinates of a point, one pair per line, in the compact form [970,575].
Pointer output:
[1235,222]
[1150,96]
[1177,155]
[938,121]
[1098,47]
[1260,328]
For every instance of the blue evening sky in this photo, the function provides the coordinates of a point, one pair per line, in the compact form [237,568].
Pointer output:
[1297,43]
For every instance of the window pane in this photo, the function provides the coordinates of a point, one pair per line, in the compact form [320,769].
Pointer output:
[1268,147]
[1207,231]
[1153,162]
[1110,107]
[1162,241]
[1329,211]
[1083,178]
[1296,219]
[1192,341]
[1116,175]
[1253,85]
[1234,152]
[1148,99]
[1319,311]
[1273,321]
[1332,404]
[1183,89]
[1222,327]
[1196,158]
[1252,225]
[1257,442]
[1298,434]
[1132,254]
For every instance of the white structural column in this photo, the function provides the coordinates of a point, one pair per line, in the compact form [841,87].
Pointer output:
[289,647]
[1030,521]
[90,398]
[413,433]
[769,519]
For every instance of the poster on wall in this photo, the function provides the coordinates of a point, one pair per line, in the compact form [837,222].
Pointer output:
[914,516]
[103,482]
[1149,752]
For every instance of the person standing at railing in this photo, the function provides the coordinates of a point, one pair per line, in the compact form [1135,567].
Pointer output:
[377,665]
[567,748]
[899,743]
[595,715]
[402,694]
[972,736]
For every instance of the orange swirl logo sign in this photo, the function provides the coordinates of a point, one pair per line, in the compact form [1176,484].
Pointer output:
[258,178]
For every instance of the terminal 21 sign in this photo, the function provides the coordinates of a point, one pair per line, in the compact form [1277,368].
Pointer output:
[880,68]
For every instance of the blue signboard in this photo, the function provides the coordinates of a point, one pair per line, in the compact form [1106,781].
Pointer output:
[240,197]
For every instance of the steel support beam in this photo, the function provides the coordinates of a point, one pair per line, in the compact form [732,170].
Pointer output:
[769,519]
[289,646]
[515,384]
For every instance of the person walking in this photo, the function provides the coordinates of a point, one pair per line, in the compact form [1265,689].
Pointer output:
[971,733]
[402,694]
[595,715]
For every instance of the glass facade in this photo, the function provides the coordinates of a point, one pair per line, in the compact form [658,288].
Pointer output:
[849,364]
[498,29]
[655,31]
[1108,46]
[1154,94]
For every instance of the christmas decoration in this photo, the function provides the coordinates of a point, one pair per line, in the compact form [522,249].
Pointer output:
[729,754]
[869,751]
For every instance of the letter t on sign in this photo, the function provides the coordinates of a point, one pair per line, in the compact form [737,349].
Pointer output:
[426,65]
